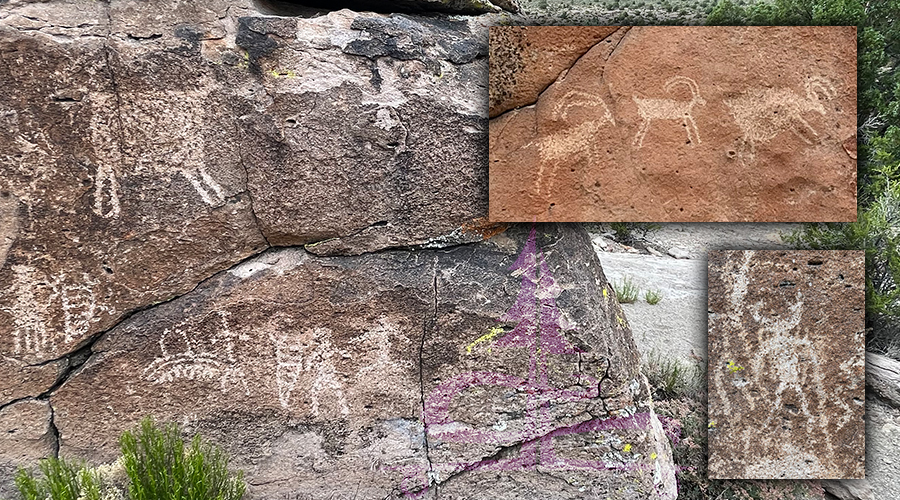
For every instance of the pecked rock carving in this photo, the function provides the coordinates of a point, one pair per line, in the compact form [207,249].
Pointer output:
[786,364]
[764,113]
[642,166]
[651,109]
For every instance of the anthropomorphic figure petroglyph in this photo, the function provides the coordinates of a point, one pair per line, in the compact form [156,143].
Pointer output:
[651,109]
[152,131]
[294,357]
[38,300]
[783,356]
[762,114]
[184,357]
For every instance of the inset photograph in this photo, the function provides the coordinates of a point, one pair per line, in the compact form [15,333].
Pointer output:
[787,362]
[672,124]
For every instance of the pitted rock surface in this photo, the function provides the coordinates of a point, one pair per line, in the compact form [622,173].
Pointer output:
[674,124]
[145,147]
[786,364]
[322,375]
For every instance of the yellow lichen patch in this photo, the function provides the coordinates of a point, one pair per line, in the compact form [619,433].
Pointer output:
[605,293]
[711,424]
[734,367]
[487,337]
[653,456]
[627,448]
[283,73]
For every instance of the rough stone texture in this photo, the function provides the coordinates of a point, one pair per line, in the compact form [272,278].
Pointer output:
[677,124]
[786,364]
[26,435]
[145,146]
[524,61]
[314,372]
[311,8]
[882,425]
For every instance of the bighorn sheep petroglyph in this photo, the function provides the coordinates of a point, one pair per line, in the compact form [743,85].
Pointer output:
[669,109]
[764,113]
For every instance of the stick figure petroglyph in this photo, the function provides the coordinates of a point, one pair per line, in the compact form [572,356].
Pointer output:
[764,113]
[651,109]
[292,360]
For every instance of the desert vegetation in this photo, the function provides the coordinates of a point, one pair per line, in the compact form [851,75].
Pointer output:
[156,464]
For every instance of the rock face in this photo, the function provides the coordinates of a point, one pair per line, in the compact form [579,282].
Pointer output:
[673,124]
[882,425]
[786,364]
[26,435]
[152,155]
[400,371]
[145,147]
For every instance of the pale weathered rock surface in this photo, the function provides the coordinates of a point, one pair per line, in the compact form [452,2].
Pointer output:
[786,364]
[675,327]
[374,374]
[882,425]
[676,124]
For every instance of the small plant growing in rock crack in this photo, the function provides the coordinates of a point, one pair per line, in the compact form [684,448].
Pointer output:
[626,291]
[653,296]
[156,464]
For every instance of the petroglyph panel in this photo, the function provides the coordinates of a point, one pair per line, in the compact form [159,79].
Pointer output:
[372,365]
[674,124]
[786,364]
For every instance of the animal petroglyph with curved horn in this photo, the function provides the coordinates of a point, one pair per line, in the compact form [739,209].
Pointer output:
[651,109]
[762,114]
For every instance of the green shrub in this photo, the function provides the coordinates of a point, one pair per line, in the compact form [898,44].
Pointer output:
[626,291]
[60,481]
[155,465]
[160,467]
[653,297]
[672,377]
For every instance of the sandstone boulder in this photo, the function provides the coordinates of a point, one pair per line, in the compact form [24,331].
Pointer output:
[392,373]
[673,124]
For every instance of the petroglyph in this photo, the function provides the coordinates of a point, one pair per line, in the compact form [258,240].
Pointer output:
[651,109]
[784,379]
[570,143]
[148,135]
[762,114]
[183,358]
[288,365]
[37,300]
[105,139]
[292,360]
[162,145]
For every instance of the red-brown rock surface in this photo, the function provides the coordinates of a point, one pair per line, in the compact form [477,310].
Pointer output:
[676,124]
[786,365]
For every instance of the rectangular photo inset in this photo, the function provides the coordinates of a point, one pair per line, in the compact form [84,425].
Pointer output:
[786,364]
[672,124]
